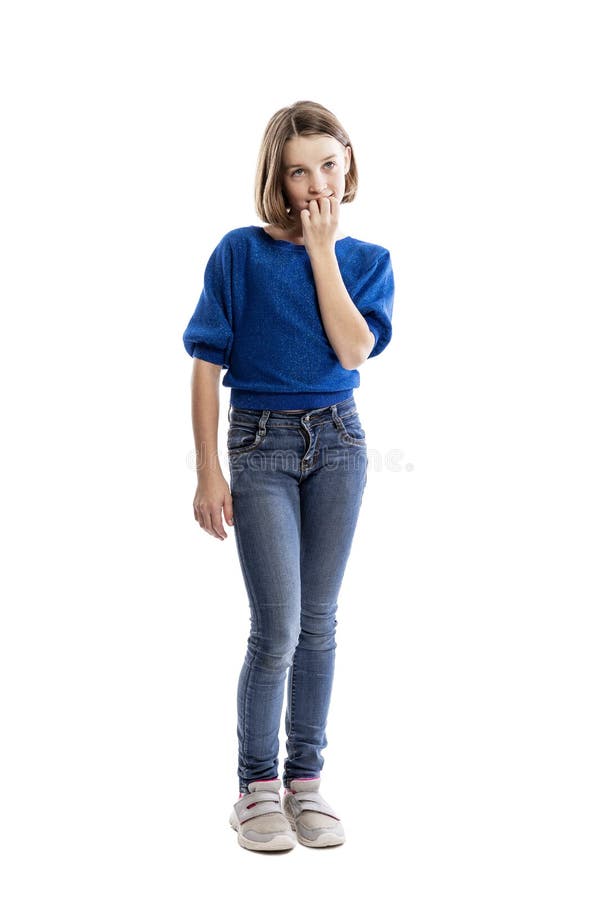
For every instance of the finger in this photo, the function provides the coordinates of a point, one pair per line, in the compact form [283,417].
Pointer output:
[205,521]
[200,518]
[228,511]
[324,208]
[217,524]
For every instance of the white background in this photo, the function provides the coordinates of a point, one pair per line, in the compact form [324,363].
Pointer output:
[463,732]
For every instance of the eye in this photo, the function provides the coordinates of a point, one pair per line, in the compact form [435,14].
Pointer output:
[330,162]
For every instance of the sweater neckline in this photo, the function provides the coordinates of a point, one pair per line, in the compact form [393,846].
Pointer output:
[291,244]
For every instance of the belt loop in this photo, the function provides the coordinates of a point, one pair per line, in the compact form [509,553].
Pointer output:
[335,416]
[263,421]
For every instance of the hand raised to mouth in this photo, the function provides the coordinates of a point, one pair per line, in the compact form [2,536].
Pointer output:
[320,224]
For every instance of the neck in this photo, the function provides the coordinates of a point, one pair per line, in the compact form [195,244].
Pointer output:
[294,229]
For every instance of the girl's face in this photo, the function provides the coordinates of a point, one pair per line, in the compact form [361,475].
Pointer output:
[313,166]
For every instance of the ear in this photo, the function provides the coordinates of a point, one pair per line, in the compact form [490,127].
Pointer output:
[348,157]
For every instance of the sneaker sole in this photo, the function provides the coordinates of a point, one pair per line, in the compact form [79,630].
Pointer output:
[323,840]
[279,842]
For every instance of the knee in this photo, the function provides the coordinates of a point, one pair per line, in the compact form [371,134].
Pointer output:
[275,650]
[318,632]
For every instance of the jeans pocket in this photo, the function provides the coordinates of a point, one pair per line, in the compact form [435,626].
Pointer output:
[242,437]
[352,430]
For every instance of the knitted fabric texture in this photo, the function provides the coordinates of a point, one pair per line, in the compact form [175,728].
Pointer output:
[258,317]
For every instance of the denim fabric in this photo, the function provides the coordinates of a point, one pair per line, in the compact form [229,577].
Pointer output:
[297,483]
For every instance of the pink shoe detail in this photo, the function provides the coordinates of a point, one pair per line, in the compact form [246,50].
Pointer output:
[312,778]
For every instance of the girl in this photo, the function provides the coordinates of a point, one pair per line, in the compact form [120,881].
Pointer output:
[291,310]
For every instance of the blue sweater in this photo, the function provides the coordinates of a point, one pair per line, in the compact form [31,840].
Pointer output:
[258,317]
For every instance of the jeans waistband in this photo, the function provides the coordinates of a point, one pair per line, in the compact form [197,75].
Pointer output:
[315,416]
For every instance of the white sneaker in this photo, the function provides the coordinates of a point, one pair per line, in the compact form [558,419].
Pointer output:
[311,817]
[258,818]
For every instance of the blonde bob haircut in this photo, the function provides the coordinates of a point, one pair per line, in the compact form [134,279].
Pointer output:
[301,118]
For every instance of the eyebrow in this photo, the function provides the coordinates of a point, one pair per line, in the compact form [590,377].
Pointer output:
[300,166]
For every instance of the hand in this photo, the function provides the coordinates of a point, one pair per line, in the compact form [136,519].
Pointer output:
[212,496]
[320,224]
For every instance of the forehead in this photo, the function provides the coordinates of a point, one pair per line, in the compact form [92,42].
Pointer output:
[309,147]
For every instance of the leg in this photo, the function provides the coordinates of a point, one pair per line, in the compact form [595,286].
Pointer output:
[330,500]
[267,531]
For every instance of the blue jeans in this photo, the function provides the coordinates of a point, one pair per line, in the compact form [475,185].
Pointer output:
[297,482]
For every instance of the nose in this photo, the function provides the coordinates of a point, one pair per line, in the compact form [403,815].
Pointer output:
[318,190]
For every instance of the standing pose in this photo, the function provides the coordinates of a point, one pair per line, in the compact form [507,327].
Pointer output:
[291,310]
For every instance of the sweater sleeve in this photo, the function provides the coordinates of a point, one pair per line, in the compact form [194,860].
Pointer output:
[209,334]
[375,300]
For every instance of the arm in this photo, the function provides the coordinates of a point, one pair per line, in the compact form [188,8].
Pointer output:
[346,327]
[212,493]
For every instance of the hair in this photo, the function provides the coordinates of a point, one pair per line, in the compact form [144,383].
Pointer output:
[301,118]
